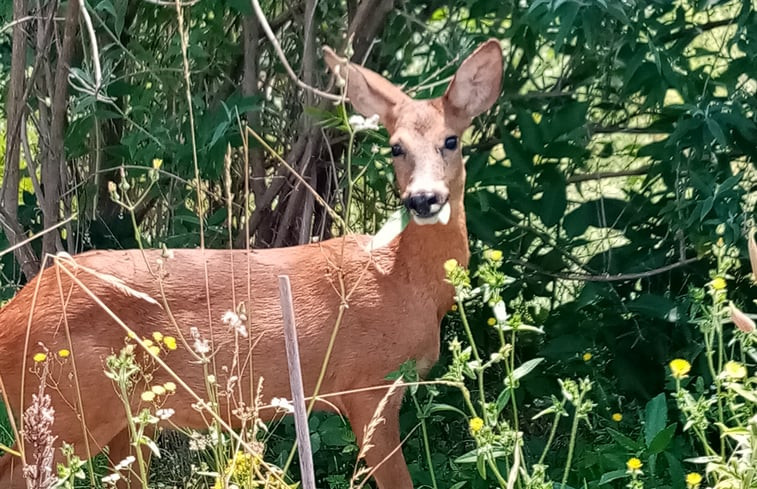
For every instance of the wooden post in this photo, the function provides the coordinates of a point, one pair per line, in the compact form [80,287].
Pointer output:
[295,383]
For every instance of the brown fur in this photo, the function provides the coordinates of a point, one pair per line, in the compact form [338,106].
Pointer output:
[393,315]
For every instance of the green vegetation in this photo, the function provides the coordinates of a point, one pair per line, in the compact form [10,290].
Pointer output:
[598,339]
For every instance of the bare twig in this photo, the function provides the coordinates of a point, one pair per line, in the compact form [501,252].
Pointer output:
[299,177]
[28,240]
[369,18]
[585,177]
[618,277]
[282,57]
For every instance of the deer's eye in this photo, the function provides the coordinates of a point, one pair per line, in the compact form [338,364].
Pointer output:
[450,143]
[397,150]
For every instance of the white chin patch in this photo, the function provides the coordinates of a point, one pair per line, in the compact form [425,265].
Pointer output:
[442,216]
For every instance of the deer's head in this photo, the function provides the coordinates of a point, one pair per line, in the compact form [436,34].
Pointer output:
[425,134]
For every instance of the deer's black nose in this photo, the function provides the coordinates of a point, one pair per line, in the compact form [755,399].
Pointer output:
[424,204]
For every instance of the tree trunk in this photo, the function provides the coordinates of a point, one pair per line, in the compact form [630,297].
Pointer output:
[15,111]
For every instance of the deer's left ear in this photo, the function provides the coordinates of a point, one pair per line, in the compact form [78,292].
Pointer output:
[476,84]
[369,92]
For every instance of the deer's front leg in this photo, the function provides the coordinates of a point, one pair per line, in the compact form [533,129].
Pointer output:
[380,431]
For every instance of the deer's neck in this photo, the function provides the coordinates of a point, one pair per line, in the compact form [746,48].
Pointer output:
[420,252]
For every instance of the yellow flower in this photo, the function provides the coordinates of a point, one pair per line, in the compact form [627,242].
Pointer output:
[170,342]
[693,480]
[718,283]
[679,368]
[617,417]
[587,356]
[157,336]
[493,255]
[450,265]
[242,465]
[157,163]
[63,353]
[158,390]
[734,370]
[491,321]
[454,307]
[39,357]
[155,350]
[476,424]
[170,386]
[148,342]
[634,464]
[148,396]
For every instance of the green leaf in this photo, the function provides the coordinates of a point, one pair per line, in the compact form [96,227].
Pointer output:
[655,306]
[553,200]
[475,454]
[530,132]
[612,213]
[503,398]
[677,474]
[661,441]
[396,223]
[608,477]
[717,132]
[747,394]
[335,433]
[526,367]
[441,408]
[624,441]
[655,417]
[567,13]
[519,158]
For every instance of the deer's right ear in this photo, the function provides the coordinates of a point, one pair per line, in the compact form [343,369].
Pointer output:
[369,92]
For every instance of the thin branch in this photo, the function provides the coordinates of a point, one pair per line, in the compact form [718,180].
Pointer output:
[285,164]
[618,277]
[585,177]
[33,237]
[282,57]
[697,29]
[614,129]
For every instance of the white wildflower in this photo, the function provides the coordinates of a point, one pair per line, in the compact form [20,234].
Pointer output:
[164,413]
[360,123]
[112,478]
[125,463]
[500,312]
[283,404]
[197,442]
[201,346]
[235,322]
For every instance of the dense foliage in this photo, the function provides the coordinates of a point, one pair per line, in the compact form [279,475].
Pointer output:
[616,166]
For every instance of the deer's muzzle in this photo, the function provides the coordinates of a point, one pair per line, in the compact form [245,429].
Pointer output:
[428,207]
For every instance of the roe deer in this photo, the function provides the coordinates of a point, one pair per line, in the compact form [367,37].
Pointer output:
[399,295]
